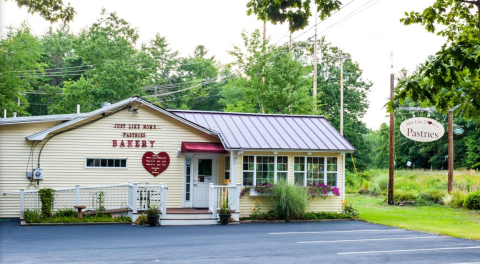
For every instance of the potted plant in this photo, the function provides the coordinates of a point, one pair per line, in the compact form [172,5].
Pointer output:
[225,211]
[153,215]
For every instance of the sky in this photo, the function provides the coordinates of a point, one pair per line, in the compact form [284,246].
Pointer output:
[369,30]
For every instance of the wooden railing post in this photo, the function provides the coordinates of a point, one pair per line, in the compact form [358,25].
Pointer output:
[77,194]
[134,198]
[237,198]
[214,202]
[22,192]
[164,200]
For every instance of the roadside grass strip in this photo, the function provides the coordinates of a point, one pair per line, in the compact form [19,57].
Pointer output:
[325,232]
[369,239]
[406,250]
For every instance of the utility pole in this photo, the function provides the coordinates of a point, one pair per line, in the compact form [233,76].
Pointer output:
[391,165]
[342,58]
[450,151]
[315,68]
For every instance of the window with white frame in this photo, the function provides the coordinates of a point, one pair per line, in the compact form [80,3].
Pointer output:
[105,163]
[227,167]
[264,169]
[315,170]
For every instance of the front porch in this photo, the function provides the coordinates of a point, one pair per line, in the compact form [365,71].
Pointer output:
[133,199]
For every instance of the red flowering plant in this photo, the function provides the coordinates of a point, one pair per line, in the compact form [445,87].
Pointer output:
[322,190]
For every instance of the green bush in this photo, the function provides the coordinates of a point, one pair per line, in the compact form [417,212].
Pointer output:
[290,200]
[364,175]
[472,201]
[66,212]
[46,195]
[432,195]
[405,195]
[90,219]
[31,216]
[326,215]
[457,199]
[382,183]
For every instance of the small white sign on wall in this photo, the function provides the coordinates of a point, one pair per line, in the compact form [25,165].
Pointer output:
[422,129]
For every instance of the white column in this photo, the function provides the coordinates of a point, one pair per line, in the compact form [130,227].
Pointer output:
[233,168]
[77,194]
[22,192]
[134,198]
[164,200]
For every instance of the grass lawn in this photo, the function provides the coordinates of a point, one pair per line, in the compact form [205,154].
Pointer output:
[435,218]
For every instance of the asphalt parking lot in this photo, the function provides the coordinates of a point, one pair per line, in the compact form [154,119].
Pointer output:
[320,242]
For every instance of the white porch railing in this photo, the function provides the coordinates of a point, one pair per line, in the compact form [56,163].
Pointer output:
[217,192]
[130,196]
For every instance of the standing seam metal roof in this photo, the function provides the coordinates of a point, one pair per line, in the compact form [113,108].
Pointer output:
[264,131]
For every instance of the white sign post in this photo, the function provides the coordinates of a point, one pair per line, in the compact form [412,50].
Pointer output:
[422,129]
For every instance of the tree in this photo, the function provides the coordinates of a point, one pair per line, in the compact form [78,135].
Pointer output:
[287,86]
[50,10]
[20,63]
[452,79]
[119,69]
[295,12]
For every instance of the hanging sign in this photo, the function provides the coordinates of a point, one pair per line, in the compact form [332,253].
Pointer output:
[458,131]
[422,129]
[155,163]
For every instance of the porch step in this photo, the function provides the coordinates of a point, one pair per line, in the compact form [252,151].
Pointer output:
[191,221]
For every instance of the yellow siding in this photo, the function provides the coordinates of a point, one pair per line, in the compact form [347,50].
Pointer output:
[63,158]
[319,204]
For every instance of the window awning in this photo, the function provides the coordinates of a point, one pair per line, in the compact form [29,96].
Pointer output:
[203,147]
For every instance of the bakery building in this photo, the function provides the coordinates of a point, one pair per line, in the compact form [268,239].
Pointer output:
[135,150]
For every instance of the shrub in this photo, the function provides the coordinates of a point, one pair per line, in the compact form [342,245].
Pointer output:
[66,212]
[152,210]
[432,195]
[404,195]
[472,201]
[382,183]
[290,201]
[325,215]
[457,199]
[349,209]
[447,199]
[31,216]
[46,196]
[141,219]
[364,175]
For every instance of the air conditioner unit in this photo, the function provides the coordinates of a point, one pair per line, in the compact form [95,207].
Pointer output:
[38,174]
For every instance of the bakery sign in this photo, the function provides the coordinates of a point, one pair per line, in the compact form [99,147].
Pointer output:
[422,129]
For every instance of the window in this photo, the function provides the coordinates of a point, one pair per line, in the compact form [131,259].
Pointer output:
[264,169]
[227,167]
[282,168]
[315,170]
[188,169]
[105,163]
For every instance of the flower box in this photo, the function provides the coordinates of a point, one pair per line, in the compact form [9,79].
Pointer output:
[255,193]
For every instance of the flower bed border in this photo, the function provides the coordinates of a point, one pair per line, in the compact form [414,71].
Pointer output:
[23,223]
[292,221]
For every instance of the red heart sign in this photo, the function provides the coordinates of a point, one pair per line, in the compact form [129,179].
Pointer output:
[155,163]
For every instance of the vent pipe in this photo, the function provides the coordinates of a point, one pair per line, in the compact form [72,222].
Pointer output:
[14,114]
[105,104]
[4,113]
[78,109]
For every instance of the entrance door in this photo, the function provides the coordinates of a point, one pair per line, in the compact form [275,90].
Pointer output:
[205,172]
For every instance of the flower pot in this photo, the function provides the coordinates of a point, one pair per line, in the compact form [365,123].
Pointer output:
[225,219]
[153,220]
